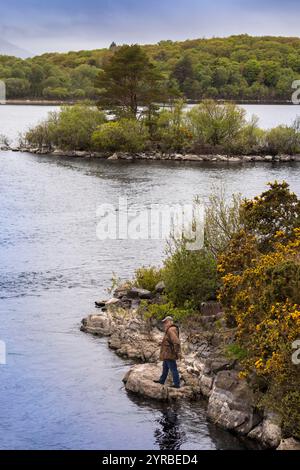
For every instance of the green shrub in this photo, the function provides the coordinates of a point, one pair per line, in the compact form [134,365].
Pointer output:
[148,277]
[222,219]
[125,135]
[216,124]
[69,129]
[190,276]
[235,351]
[250,140]
[283,139]
[172,133]
[160,311]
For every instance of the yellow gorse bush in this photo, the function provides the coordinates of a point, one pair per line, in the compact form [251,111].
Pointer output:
[262,299]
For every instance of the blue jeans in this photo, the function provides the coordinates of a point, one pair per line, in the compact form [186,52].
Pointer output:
[172,366]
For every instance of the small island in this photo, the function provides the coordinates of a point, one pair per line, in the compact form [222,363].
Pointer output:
[140,114]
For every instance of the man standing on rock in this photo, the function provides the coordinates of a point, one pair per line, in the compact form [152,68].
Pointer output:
[170,352]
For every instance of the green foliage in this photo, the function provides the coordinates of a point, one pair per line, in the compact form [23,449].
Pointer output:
[216,124]
[250,140]
[127,135]
[148,277]
[285,400]
[275,213]
[190,276]
[237,67]
[69,129]
[129,80]
[235,351]
[222,220]
[284,140]
[172,133]
[160,311]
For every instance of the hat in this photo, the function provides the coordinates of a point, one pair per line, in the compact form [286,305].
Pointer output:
[167,319]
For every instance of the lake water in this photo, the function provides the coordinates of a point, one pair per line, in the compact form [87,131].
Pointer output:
[60,388]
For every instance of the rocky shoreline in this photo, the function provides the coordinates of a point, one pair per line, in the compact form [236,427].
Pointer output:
[157,156]
[206,370]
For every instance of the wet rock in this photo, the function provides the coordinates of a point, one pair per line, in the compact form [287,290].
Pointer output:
[97,325]
[136,292]
[289,444]
[285,158]
[115,342]
[100,303]
[115,156]
[139,379]
[206,384]
[81,153]
[257,158]
[256,433]
[231,403]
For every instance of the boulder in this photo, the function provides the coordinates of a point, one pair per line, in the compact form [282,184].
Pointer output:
[231,403]
[256,433]
[100,303]
[257,158]
[98,325]
[113,303]
[206,384]
[160,287]
[139,379]
[115,156]
[289,444]
[137,293]
[271,432]
[268,433]
[122,291]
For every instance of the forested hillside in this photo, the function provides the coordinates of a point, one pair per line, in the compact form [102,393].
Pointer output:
[238,67]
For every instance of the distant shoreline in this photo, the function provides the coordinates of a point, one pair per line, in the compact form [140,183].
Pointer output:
[189,102]
[154,156]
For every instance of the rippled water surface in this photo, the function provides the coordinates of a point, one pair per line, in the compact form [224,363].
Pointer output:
[61,388]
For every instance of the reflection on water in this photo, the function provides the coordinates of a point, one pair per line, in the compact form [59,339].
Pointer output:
[169,435]
[182,425]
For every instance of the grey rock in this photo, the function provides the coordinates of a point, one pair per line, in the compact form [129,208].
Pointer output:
[115,156]
[289,444]
[160,287]
[136,292]
[206,384]
[231,403]
[113,302]
[97,325]
[271,433]
[140,380]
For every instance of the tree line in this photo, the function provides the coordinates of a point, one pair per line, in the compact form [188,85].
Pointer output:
[238,68]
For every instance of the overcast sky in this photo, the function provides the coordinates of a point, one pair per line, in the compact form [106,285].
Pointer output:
[62,25]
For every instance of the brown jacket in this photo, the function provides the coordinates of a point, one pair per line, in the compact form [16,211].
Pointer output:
[170,346]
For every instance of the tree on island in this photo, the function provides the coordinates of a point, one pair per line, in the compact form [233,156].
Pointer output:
[128,81]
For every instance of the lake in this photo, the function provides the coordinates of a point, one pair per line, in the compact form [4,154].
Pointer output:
[60,388]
